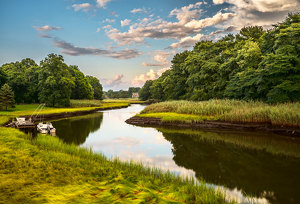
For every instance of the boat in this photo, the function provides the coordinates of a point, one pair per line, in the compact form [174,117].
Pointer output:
[42,128]
[51,129]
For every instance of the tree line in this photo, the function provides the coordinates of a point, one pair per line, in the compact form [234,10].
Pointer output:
[52,82]
[121,93]
[255,64]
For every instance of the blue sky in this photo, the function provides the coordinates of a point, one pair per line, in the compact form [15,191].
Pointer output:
[125,42]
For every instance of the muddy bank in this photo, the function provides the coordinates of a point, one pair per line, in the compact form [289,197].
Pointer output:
[157,122]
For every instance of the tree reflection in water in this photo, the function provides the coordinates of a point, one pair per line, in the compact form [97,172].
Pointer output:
[252,170]
[75,130]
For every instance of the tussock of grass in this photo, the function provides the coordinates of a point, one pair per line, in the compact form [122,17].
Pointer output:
[287,114]
[46,170]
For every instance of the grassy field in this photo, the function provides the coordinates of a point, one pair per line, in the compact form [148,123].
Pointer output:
[77,105]
[287,114]
[45,170]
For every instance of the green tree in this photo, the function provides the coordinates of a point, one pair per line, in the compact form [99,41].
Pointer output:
[55,81]
[144,93]
[95,83]
[82,88]
[7,98]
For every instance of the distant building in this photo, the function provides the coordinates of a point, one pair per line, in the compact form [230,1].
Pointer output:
[135,95]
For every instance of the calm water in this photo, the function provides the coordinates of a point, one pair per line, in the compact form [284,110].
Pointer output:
[257,164]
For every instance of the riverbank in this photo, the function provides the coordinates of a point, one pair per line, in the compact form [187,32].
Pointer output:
[281,118]
[55,113]
[47,170]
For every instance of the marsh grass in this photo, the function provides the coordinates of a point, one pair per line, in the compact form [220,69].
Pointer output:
[287,114]
[28,109]
[46,170]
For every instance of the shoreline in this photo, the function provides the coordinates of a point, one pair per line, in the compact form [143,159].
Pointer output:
[52,116]
[158,122]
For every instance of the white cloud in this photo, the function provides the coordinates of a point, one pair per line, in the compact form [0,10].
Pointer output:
[259,12]
[160,56]
[139,80]
[138,10]
[85,7]
[116,80]
[187,42]
[46,28]
[125,22]
[107,27]
[102,3]
[189,23]
[98,30]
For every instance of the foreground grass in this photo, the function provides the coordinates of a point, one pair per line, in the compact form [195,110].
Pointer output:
[45,170]
[236,111]
[28,109]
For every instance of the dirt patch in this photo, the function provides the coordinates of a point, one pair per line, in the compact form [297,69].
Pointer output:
[157,122]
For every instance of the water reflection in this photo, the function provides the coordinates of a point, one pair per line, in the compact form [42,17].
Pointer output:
[257,164]
[252,170]
[76,130]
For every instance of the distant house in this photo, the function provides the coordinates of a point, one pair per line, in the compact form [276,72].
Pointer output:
[135,95]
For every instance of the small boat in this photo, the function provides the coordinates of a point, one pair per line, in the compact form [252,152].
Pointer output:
[42,128]
[51,129]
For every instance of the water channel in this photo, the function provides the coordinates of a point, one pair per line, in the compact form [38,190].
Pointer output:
[260,165]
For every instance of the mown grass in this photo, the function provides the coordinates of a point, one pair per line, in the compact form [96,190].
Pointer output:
[287,114]
[28,109]
[46,170]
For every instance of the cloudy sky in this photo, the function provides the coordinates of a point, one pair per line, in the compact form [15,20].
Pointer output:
[125,42]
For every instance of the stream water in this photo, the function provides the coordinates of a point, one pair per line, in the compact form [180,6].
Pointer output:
[249,166]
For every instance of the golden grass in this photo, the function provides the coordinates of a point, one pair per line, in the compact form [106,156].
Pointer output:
[287,114]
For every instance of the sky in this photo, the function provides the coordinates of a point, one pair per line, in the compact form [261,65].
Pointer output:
[125,42]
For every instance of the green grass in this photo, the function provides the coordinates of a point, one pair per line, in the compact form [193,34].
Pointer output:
[171,117]
[46,170]
[124,100]
[287,114]
[28,109]
[85,103]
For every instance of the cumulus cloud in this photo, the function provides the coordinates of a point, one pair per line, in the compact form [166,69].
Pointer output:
[138,10]
[84,6]
[160,56]
[69,49]
[139,80]
[98,30]
[116,80]
[186,42]
[46,28]
[189,23]
[259,12]
[102,3]
[125,22]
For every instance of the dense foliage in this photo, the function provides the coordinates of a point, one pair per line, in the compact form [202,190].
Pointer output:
[252,65]
[52,82]
[122,94]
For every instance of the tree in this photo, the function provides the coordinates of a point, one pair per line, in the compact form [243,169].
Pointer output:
[82,88]
[7,98]
[3,77]
[95,83]
[144,93]
[55,81]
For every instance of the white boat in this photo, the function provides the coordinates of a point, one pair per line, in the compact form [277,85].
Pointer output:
[42,128]
[51,129]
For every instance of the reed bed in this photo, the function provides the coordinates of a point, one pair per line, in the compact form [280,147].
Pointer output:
[286,114]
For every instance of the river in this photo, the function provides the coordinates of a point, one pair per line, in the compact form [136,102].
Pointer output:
[249,166]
